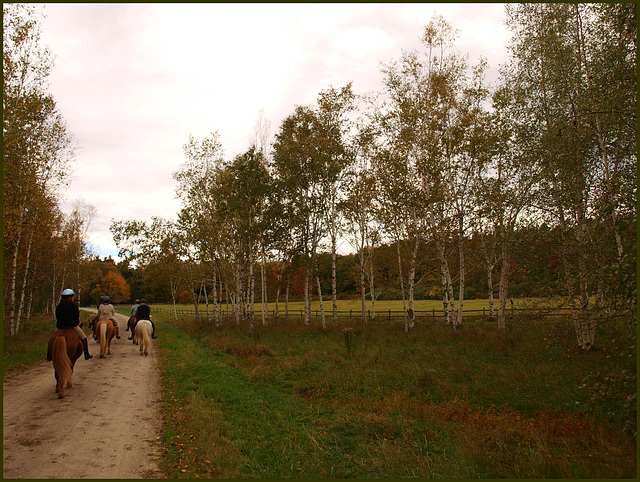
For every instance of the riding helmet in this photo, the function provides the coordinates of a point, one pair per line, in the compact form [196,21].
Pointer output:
[68,292]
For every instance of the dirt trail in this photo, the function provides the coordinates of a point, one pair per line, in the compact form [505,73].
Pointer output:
[106,427]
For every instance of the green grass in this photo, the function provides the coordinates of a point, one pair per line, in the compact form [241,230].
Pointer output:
[477,403]
[386,308]
[291,402]
[381,305]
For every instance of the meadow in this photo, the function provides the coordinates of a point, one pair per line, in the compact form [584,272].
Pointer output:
[294,401]
[393,309]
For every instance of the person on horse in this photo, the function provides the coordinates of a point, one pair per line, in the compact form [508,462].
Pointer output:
[133,313]
[68,318]
[106,312]
[95,318]
[143,312]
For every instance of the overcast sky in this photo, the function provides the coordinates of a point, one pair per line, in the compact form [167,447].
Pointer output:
[133,81]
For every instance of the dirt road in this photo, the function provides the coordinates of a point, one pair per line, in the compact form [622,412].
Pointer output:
[106,427]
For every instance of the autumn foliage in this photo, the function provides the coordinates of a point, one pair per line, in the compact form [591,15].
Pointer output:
[114,286]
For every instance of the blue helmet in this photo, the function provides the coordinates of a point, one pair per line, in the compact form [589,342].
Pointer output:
[68,292]
[106,298]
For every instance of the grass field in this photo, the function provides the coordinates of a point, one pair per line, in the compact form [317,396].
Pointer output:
[293,401]
[353,307]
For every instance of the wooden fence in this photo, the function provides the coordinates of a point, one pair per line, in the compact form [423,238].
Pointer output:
[387,314]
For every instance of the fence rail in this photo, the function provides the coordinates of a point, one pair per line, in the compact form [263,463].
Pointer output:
[388,314]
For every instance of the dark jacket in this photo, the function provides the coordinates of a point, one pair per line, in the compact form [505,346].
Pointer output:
[143,312]
[67,315]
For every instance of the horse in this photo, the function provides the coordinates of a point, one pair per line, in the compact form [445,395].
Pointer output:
[65,348]
[130,324]
[92,325]
[106,332]
[143,335]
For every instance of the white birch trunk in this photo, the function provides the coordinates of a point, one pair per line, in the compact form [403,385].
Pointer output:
[24,283]
[286,295]
[324,321]
[203,284]
[451,296]
[443,271]
[334,289]
[404,301]
[458,321]
[504,285]
[13,327]
[237,302]
[252,291]
[173,286]
[372,289]
[363,289]
[263,278]
[412,283]
[214,283]
[307,297]
[490,266]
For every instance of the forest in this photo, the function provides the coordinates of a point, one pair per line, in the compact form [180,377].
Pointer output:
[437,186]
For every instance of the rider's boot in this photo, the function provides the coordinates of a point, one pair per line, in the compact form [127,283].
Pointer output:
[49,355]
[117,327]
[153,333]
[85,347]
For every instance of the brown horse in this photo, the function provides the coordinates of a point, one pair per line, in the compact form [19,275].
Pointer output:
[106,332]
[65,348]
[130,325]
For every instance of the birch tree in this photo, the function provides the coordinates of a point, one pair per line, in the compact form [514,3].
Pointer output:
[564,57]
[37,152]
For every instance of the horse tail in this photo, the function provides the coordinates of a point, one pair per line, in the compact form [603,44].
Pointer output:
[146,338]
[61,364]
[103,339]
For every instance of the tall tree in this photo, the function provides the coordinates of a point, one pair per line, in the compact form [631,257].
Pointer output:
[37,150]
[308,157]
[565,57]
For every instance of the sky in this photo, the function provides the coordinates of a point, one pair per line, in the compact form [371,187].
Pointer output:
[134,81]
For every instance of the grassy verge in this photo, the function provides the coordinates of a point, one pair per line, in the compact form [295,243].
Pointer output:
[29,346]
[292,402]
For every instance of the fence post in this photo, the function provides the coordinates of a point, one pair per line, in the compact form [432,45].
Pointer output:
[389,314]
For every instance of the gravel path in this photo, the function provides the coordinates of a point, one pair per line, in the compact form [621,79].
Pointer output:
[106,427]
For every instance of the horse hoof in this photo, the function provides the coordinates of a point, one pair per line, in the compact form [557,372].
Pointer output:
[101,356]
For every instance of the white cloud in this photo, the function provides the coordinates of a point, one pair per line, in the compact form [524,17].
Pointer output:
[134,81]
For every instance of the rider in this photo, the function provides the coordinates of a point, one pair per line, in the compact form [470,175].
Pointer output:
[68,318]
[106,312]
[94,320]
[133,313]
[144,313]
